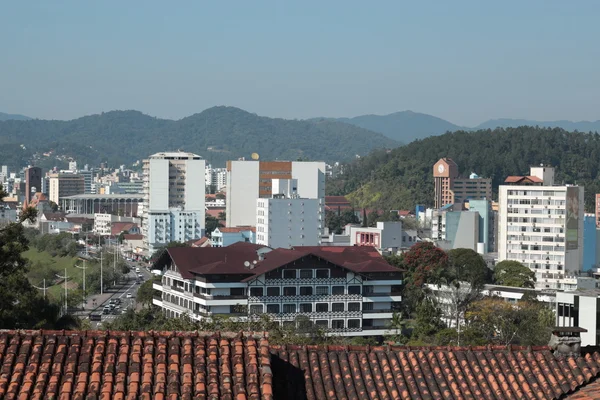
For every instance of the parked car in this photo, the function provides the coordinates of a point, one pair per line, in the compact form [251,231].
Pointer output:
[129,295]
[95,317]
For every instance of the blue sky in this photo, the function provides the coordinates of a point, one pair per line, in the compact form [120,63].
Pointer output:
[465,61]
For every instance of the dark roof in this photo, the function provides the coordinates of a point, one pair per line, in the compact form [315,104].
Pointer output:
[213,260]
[54,216]
[79,220]
[131,236]
[231,259]
[77,365]
[382,372]
[335,200]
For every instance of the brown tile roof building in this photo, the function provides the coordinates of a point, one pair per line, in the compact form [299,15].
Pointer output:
[77,365]
[236,229]
[523,179]
[65,365]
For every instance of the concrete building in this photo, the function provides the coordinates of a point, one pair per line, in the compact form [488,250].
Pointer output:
[3,173]
[580,309]
[65,185]
[349,291]
[591,245]
[33,182]
[541,226]
[8,213]
[597,207]
[222,237]
[457,229]
[88,180]
[488,223]
[248,181]
[173,198]
[287,219]
[450,189]
[386,236]
[127,205]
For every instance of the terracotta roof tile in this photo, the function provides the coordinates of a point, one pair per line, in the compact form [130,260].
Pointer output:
[132,365]
[382,372]
[522,179]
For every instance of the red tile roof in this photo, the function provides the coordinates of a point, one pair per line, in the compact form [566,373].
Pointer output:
[522,179]
[215,211]
[131,236]
[336,200]
[74,365]
[382,372]
[203,242]
[236,229]
[117,227]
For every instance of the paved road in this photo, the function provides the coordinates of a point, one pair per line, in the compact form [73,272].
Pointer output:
[96,303]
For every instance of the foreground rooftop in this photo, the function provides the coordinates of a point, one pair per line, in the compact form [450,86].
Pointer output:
[195,365]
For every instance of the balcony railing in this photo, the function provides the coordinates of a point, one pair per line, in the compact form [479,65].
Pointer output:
[378,311]
[318,315]
[372,328]
[177,288]
[297,281]
[220,297]
[312,297]
[382,294]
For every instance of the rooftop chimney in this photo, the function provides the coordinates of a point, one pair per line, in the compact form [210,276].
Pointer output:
[566,340]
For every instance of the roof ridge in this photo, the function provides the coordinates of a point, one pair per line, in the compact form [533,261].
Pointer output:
[393,347]
[151,333]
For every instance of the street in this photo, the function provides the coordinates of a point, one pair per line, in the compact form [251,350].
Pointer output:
[95,303]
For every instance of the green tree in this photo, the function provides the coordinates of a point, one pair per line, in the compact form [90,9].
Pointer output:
[513,273]
[211,223]
[498,321]
[21,305]
[427,321]
[145,293]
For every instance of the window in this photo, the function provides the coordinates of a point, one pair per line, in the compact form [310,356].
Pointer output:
[306,290]
[289,273]
[337,290]
[367,307]
[322,307]
[273,274]
[289,291]
[256,309]
[337,324]
[354,323]
[353,306]
[273,291]
[306,273]
[322,323]
[256,291]
[237,291]
[367,289]
[305,307]
[273,308]
[353,289]
[337,307]
[323,273]
[289,308]
[322,290]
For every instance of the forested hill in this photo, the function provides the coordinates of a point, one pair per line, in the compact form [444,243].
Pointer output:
[218,134]
[403,177]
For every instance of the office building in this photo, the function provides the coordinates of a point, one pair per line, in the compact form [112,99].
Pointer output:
[73,166]
[287,219]
[591,237]
[580,309]
[488,223]
[349,291]
[173,198]
[541,226]
[450,189]
[65,185]
[456,229]
[597,207]
[33,182]
[248,181]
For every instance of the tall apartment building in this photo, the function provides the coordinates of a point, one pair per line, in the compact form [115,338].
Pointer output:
[33,182]
[349,291]
[248,181]
[173,208]
[456,229]
[450,189]
[3,173]
[64,185]
[541,226]
[287,219]
[597,207]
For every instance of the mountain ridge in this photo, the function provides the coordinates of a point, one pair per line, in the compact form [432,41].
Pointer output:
[16,117]
[218,134]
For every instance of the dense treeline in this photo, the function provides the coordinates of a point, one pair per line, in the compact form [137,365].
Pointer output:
[218,134]
[402,177]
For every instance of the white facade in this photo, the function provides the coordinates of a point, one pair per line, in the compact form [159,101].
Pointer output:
[542,227]
[174,193]
[385,236]
[243,187]
[288,222]
[102,224]
[580,309]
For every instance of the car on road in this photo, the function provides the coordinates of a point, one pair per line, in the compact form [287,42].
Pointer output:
[137,270]
[95,317]
[106,310]
[128,295]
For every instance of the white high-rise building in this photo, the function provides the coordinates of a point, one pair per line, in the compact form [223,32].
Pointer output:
[287,220]
[541,226]
[248,181]
[173,199]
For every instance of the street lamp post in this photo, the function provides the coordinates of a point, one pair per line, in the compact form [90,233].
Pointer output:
[101,275]
[83,268]
[43,288]
[66,288]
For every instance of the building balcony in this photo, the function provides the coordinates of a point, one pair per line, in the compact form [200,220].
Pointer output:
[308,298]
[298,281]
[317,315]
[221,297]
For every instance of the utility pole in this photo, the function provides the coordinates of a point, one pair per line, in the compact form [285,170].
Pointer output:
[101,277]
[84,294]
[66,288]
[43,288]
